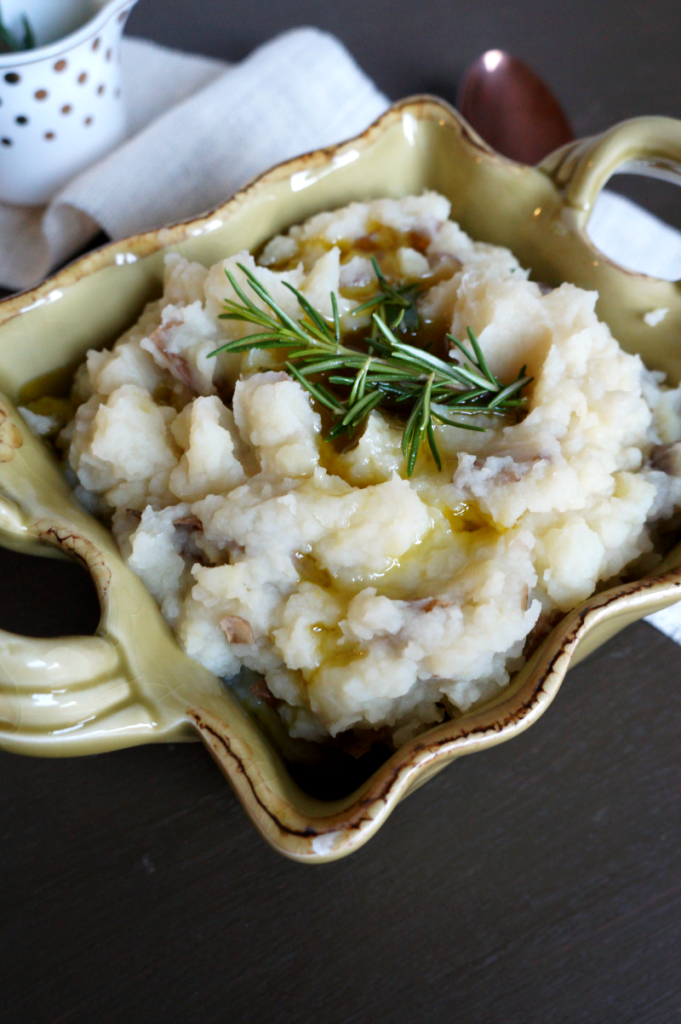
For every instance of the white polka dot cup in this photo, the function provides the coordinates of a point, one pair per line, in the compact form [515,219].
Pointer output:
[61,107]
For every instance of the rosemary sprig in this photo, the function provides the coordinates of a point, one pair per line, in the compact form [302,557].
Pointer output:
[430,390]
[395,306]
[10,41]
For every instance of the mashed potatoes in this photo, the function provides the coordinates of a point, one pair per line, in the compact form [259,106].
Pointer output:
[365,598]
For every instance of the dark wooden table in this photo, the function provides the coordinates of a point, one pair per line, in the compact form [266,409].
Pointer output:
[539,881]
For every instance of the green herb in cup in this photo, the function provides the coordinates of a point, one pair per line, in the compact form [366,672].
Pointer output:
[10,41]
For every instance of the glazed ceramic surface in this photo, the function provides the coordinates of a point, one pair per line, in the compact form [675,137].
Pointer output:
[130,683]
[61,104]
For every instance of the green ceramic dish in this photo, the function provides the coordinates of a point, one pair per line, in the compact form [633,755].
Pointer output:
[130,683]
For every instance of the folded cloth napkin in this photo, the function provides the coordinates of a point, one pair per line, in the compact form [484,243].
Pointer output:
[635,239]
[198,129]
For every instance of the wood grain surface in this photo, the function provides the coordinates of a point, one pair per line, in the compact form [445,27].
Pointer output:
[536,882]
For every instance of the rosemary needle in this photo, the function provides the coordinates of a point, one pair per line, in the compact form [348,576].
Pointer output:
[395,306]
[393,373]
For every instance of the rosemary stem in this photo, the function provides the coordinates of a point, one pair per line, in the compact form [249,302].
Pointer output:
[392,372]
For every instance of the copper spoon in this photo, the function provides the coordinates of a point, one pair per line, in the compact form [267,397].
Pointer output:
[513,110]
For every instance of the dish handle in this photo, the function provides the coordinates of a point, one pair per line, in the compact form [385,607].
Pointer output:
[650,146]
[128,684]
[66,696]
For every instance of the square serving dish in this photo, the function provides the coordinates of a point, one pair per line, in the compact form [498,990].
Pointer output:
[131,683]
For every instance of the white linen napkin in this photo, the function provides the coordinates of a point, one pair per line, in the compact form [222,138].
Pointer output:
[637,240]
[198,129]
